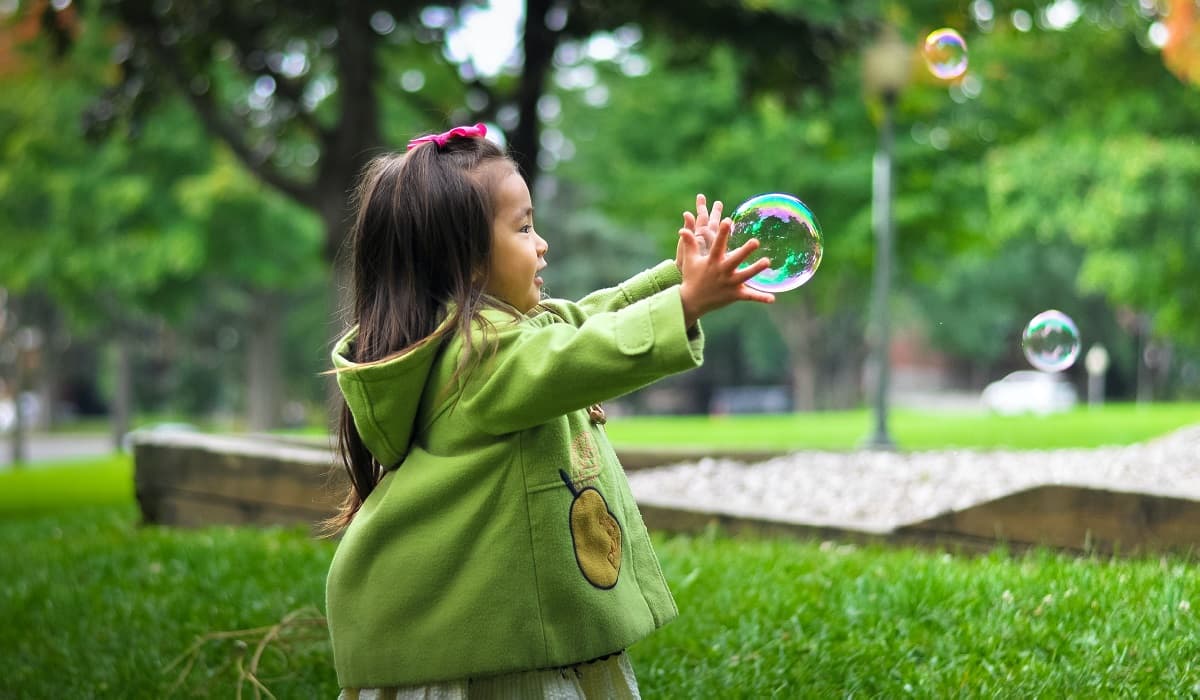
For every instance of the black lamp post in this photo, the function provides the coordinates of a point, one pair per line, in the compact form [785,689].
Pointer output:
[886,67]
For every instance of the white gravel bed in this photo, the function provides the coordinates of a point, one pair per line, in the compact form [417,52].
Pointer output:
[879,491]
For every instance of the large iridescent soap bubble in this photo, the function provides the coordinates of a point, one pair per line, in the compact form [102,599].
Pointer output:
[789,235]
[1051,341]
[946,53]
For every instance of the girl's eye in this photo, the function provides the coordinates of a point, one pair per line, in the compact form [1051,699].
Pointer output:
[527,228]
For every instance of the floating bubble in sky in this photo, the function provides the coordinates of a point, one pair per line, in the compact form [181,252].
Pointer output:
[1051,341]
[789,235]
[946,53]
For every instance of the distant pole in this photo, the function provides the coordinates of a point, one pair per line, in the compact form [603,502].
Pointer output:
[28,341]
[1096,362]
[122,401]
[17,441]
[1144,388]
[886,70]
[880,439]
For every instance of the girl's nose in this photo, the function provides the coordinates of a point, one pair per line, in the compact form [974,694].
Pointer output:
[542,245]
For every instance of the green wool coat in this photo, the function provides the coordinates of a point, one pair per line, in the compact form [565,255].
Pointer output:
[504,536]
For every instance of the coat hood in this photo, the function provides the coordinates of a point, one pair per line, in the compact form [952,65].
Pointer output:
[384,396]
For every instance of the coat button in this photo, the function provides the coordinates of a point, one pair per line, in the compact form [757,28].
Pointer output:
[596,413]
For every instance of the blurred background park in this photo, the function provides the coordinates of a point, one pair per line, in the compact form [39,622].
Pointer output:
[175,176]
[174,180]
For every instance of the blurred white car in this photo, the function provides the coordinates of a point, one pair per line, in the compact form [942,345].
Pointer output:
[1029,391]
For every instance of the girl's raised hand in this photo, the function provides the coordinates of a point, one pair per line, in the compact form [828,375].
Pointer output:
[698,224]
[711,278]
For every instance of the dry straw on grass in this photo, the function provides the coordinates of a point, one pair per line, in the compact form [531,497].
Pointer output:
[303,626]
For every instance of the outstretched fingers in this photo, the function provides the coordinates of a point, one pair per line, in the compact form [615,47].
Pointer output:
[745,273]
[749,294]
[717,250]
[738,255]
[688,238]
[715,214]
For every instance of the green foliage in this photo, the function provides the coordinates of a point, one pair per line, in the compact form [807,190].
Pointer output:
[1052,159]
[151,224]
[254,238]
[697,127]
[746,98]
[80,212]
[1127,203]
[669,134]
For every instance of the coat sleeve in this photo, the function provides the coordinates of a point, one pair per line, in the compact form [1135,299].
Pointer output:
[644,284]
[534,373]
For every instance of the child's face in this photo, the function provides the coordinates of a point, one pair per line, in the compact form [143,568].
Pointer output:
[517,250]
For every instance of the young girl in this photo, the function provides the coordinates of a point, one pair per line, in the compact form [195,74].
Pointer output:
[492,546]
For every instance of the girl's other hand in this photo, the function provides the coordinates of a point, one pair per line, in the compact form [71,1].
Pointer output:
[702,224]
[711,279]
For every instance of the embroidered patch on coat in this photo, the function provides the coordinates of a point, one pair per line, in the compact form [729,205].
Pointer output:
[585,457]
[595,535]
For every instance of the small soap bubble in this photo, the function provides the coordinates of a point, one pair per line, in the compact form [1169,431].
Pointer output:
[1051,341]
[946,53]
[789,235]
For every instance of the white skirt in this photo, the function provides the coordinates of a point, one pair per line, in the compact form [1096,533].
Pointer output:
[609,679]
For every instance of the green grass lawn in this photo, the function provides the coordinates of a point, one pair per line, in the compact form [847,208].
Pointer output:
[786,619]
[1114,424]
[96,606]
[66,485]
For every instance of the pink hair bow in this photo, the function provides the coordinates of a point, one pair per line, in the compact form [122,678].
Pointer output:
[469,132]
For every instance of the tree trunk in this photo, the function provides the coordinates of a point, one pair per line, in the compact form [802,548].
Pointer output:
[539,43]
[798,328]
[341,297]
[842,353]
[263,368]
[17,440]
[122,400]
[48,389]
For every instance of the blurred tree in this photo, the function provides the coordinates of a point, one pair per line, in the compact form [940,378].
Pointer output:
[1027,142]
[261,252]
[665,131]
[122,231]
[662,136]
[74,215]
[633,105]
[304,94]
[1130,205]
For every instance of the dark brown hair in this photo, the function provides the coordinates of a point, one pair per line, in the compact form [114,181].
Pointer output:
[420,242]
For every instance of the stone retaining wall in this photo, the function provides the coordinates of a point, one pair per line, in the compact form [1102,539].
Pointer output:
[1075,517]
[191,479]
